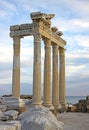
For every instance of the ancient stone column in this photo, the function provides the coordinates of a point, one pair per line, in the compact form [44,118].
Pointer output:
[16,67]
[37,70]
[55,83]
[62,96]
[47,73]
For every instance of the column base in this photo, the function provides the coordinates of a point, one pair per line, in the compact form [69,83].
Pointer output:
[57,106]
[48,105]
[56,103]
[63,106]
[36,104]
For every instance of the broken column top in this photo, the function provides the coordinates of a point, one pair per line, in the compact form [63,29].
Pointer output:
[40,15]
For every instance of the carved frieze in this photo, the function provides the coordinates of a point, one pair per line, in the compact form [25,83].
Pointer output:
[42,26]
[22,33]
[59,33]
[14,28]
[26,26]
[54,29]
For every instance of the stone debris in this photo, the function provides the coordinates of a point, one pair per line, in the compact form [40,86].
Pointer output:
[12,114]
[17,124]
[34,118]
[7,127]
[13,103]
[4,118]
[11,125]
[39,118]
[0,111]
[81,106]
[3,107]
[9,115]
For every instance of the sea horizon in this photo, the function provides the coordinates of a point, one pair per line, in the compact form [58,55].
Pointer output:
[27,89]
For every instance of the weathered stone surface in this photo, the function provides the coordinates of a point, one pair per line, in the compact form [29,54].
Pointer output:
[17,124]
[26,26]
[26,96]
[3,108]
[11,125]
[7,127]
[54,29]
[87,97]
[0,100]
[13,103]
[39,118]
[0,112]
[12,114]
[14,28]
[4,118]
[59,33]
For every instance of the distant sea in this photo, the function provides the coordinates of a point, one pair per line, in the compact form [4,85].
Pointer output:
[6,90]
[74,99]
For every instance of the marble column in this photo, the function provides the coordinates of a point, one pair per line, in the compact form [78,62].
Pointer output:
[16,67]
[47,73]
[37,70]
[62,96]
[55,83]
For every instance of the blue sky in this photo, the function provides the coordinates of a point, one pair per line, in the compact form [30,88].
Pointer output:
[71,17]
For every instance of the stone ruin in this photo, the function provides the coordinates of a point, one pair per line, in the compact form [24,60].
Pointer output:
[41,29]
[25,114]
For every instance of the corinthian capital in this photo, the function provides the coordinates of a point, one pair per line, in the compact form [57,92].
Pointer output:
[55,49]
[16,45]
[62,50]
[16,40]
[37,37]
[47,42]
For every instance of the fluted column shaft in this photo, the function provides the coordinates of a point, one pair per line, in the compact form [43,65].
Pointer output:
[37,70]
[47,73]
[55,84]
[62,96]
[16,67]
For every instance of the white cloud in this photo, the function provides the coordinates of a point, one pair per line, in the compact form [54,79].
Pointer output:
[72,69]
[7,9]
[78,8]
[83,41]
[71,25]
[6,54]
[7,5]
[76,56]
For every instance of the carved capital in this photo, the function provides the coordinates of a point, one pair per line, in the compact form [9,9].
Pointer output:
[16,40]
[37,37]
[55,49]
[16,45]
[62,51]
[16,50]
[47,42]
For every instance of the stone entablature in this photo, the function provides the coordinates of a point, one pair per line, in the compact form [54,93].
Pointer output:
[41,29]
[41,24]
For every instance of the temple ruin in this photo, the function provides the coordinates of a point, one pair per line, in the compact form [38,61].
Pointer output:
[41,29]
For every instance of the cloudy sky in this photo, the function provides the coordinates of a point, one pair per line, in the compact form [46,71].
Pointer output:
[71,17]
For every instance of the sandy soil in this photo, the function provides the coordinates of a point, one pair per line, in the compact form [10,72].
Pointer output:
[75,121]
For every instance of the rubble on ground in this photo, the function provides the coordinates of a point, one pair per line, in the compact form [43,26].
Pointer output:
[19,114]
[81,106]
